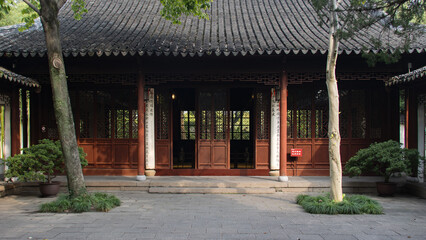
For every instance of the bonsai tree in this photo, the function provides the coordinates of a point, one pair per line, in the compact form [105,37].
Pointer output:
[40,162]
[384,159]
[413,156]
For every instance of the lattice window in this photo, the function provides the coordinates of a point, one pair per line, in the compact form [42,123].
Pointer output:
[220,125]
[304,123]
[262,78]
[303,112]
[205,101]
[358,113]
[162,111]
[290,121]
[321,113]
[205,123]
[240,129]
[344,101]
[86,100]
[104,114]
[134,123]
[221,116]
[121,122]
[376,119]
[187,125]
[262,114]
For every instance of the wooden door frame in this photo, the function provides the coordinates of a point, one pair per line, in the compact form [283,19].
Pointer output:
[212,129]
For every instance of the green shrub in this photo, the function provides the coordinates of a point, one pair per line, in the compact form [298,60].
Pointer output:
[354,204]
[384,159]
[39,162]
[86,202]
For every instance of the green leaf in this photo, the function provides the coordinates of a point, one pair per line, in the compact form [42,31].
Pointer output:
[173,9]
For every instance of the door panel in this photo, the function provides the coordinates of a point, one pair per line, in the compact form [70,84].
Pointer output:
[262,154]
[262,108]
[204,155]
[162,125]
[162,154]
[213,150]
[220,157]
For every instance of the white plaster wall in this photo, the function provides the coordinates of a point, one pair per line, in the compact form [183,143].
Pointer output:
[150,131]
[275,132]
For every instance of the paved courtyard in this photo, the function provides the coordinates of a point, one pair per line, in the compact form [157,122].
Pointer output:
[211,216]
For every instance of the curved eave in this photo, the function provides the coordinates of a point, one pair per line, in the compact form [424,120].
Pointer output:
[200,53]
[17,78]
[407,77]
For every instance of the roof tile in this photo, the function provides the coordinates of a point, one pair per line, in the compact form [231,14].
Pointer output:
[234,26]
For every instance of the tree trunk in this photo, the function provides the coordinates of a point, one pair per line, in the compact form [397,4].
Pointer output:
[61,101]
[333,124]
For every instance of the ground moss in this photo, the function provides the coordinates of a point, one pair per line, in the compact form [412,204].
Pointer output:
[351,204]
[83,203]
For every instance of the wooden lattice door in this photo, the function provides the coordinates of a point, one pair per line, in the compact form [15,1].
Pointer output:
[262,108]
[213,142]
[163,136]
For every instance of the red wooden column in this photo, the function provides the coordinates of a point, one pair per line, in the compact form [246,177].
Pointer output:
[141,128]
[24,119]
[15,124]
[283,128]
[411,119]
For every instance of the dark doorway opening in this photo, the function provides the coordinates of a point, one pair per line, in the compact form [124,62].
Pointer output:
[184,128]
[242,129]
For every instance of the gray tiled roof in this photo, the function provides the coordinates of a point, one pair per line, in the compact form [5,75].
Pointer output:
[14,77]
[408,77]
[235,27]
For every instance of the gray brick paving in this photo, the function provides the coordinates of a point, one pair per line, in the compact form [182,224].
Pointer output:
[218,216]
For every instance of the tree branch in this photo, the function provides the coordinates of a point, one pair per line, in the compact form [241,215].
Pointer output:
[392,4]
[60,3]
[32,6]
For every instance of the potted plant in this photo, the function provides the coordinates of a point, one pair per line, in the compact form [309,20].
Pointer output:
[384,159]
[40,162]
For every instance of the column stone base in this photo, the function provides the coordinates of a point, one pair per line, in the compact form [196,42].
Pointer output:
[150,172]
[274,173]
[283,179]
[140,177]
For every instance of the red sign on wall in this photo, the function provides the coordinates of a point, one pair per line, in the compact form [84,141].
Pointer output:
[296,152]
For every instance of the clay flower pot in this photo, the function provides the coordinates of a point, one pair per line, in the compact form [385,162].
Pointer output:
[386,189]
[49,189]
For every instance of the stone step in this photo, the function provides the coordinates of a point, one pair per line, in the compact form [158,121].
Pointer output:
[201,190]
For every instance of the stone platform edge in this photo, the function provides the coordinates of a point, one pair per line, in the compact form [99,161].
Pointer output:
[269,186]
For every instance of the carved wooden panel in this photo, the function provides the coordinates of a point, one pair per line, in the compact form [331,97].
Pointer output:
[262,154]
[220,155]
[204,155]
[162,154]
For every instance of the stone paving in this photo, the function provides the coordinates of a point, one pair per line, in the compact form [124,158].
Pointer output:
[216,216]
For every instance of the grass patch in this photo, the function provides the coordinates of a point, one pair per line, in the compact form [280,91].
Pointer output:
[101,202]
[352,204]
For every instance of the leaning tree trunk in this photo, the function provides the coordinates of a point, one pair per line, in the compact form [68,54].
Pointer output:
[333,96]
[61,101]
